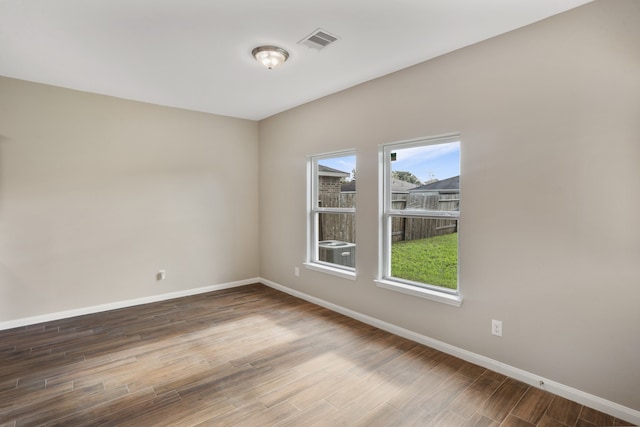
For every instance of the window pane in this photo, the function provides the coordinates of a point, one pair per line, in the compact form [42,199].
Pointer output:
[332,189]
[336,241]
[337,226]
[425,250]
[336,182]
[422,201]
[426,175]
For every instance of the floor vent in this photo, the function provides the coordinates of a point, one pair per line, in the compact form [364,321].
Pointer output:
[319,39]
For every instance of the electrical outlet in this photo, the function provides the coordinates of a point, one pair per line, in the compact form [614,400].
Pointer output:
[161,274]
[296,271]
[496,327]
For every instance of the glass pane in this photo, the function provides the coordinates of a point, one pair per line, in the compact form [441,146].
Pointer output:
[425,250]
[426,177]
[336,239]
[337,182]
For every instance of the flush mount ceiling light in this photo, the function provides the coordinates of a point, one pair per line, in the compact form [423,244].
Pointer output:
[270,56]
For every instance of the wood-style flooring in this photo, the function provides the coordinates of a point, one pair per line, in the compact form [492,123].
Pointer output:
[253,356]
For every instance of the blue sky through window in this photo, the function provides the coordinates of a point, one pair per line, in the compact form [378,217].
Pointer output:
[345,163]
[440,161]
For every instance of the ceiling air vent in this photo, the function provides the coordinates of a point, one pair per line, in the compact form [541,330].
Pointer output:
[319,39]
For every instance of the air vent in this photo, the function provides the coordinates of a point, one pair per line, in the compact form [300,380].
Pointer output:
[319,39]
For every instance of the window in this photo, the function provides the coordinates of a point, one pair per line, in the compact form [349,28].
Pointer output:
[332,214]
[420,218]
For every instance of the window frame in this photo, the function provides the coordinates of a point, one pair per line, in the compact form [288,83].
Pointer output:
[313,214]
[386,215]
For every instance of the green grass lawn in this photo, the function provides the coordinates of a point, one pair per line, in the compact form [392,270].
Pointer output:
[433,260]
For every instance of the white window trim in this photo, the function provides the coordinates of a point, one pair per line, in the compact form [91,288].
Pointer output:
[312,262]
[416,291]
[384,279]
[330,269]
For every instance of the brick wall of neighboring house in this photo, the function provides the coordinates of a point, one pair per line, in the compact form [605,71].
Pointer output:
[329,184]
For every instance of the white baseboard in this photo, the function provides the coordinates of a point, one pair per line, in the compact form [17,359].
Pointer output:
[595,402]
[121,304]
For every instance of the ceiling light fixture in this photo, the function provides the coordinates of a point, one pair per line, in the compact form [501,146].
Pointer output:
[270,56]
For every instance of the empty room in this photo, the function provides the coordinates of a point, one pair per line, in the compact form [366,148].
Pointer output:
[320,213]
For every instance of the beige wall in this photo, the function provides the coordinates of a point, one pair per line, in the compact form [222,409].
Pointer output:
[97,194]
[550,243]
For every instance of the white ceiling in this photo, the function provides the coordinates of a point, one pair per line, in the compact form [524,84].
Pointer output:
[196,54]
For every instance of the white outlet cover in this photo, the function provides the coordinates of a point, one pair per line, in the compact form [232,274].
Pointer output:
[496,327]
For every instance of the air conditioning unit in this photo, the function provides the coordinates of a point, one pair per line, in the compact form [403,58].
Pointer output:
[337,252]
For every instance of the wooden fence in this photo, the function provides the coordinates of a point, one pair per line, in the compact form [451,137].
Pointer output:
[342,226]
[407,228]
[337,226]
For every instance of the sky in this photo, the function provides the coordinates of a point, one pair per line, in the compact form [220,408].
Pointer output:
[345,163]
[440,161]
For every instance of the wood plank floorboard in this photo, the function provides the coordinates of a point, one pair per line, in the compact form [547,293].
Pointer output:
[253,356]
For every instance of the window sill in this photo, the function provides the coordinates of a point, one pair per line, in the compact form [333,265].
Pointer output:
[345,274]
[454,300]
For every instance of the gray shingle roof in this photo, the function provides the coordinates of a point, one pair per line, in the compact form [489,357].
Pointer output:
[452,183]
[396,186]
[327,169]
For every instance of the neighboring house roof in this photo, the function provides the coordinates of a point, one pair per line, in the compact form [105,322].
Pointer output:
[452,183]
[327,171]
[396,186]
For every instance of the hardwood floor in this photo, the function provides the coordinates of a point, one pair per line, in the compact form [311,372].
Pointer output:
[253,356]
